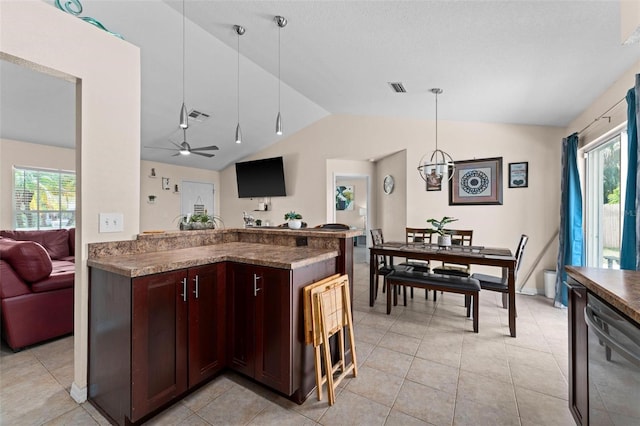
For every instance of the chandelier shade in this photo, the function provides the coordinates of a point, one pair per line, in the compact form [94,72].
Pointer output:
[435,164]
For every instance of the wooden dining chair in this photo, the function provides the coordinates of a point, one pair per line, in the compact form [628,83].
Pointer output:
[500,284]
[424,236]
[381,265]
[458,238]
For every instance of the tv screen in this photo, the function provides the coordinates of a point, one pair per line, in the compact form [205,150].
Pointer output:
[261,178]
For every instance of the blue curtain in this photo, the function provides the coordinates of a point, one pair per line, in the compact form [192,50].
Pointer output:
[570,251]
[629,249]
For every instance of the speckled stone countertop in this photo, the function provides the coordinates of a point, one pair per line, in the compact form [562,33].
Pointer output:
[619,288]
[140,264]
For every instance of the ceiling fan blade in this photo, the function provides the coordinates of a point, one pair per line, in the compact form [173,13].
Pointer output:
[203,154]
[177,146]
[157,147]
[176,154]
[205,148]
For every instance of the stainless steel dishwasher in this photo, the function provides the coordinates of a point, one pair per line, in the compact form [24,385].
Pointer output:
[614,365]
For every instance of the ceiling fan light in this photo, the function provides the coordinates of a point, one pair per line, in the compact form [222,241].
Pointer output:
[279,124]
[185,152]
[238,134]
[184,117]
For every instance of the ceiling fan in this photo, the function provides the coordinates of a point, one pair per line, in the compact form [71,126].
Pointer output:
[185,149]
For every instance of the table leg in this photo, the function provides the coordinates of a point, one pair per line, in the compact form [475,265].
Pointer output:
[372,265]
[512,302]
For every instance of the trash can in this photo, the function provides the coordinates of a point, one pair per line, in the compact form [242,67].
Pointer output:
[550,283]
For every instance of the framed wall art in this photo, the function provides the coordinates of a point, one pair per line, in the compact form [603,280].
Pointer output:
[344,197]
[476,182]
[519,175]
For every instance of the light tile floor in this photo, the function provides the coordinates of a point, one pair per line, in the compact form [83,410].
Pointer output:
[420,365]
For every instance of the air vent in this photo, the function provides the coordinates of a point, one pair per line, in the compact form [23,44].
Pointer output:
[397,87]
[198,115]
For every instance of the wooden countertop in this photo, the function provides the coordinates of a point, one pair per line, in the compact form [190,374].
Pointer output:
[619,288]
[136,265]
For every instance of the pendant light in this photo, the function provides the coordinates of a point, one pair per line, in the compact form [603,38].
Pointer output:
[184,117]
[281,21]
[438,161]
[240,31]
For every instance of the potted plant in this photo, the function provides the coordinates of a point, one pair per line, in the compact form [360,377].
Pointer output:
[199,221]
[295,219]
[444,240]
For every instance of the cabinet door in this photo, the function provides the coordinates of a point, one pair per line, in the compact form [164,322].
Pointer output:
[241,316]
[578,354]
[159,341]
[206,321]
[273,323]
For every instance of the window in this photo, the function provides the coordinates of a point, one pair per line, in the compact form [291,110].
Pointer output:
[605,188]
[43,199]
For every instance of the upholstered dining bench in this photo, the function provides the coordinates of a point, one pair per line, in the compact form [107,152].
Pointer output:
[470,287]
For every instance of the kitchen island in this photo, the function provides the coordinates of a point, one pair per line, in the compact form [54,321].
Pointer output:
[170,311]
[603,379]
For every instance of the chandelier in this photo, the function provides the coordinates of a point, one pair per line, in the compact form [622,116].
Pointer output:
[435,164]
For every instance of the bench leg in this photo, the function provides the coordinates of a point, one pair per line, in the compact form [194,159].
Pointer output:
[388,301]
[476,306]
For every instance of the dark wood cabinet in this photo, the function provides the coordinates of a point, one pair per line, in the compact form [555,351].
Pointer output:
[153,338]
[158,341]
[260,333]
[207,303]
[172,338]
[578,353]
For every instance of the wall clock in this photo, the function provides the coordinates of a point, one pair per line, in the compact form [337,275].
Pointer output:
[388,184]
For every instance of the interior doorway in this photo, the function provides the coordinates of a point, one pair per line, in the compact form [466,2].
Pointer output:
[352,207]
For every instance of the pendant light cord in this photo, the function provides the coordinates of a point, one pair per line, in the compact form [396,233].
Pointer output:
[183,51]
[238,80]
[279,60]
[436,121]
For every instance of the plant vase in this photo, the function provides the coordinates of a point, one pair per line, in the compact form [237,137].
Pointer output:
[295,224]
[444,240]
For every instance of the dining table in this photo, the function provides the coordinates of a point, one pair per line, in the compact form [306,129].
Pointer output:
[472,255]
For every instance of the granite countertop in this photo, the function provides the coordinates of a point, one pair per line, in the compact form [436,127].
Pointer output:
[136,265]
[619,288]
[274,230]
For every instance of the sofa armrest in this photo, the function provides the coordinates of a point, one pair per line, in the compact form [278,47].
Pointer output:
[11,284]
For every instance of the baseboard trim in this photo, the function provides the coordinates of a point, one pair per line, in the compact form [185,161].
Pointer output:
[78,394]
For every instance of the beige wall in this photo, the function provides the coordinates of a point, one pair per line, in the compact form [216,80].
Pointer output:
[14,153]
[391,212]
[107,75]
[162,215]
[533,210]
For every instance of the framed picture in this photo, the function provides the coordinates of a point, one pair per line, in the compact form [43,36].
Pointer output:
[344,197]
[434,180]
[476,182]
[519,175]
[165,184]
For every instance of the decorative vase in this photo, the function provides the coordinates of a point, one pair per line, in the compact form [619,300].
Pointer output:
[295,224]
[444,240]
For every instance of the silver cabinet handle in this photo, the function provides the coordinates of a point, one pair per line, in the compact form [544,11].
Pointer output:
[255,284]
[184,290]
[197,290]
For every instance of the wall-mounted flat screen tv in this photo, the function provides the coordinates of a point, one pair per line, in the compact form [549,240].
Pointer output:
[261,178]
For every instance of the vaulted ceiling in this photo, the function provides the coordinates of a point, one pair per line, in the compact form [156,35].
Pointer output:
[523,62]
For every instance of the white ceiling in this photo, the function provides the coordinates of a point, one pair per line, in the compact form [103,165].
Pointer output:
[526,62]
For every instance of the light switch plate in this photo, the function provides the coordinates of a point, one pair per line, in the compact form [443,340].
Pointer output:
[111,222]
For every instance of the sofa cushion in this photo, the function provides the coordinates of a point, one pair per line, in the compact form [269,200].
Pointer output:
[29,259]
[61,276]
[55,241]
[72,241]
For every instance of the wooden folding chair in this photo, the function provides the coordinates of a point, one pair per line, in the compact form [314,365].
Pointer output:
[330,313]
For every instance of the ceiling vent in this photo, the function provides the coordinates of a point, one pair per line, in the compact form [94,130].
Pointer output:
[397,87]
[198,115]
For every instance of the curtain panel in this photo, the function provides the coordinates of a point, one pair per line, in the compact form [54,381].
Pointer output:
[631,226]
[571,240]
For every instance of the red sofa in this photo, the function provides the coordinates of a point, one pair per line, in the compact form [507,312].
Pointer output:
[36,285]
